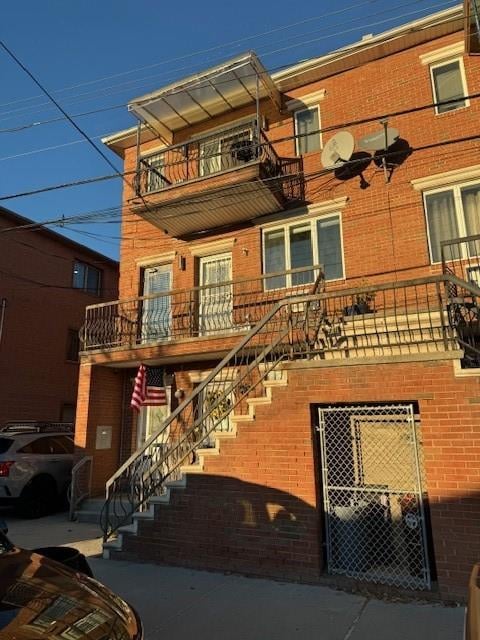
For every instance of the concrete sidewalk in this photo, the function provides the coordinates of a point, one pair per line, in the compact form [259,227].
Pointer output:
[182,603]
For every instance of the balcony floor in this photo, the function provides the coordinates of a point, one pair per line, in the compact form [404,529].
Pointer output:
[234,196]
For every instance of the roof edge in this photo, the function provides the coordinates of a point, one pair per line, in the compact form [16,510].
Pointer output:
[20,220]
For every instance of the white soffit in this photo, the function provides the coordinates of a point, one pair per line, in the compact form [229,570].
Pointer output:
[202,96]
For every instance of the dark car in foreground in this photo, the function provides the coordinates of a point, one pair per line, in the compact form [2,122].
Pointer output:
[43,599]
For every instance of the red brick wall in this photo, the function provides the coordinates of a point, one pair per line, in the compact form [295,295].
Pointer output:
[100,403]
[386,221]
[225,518]
[35,377]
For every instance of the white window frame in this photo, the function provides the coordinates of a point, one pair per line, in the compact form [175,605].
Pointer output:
[312,221]
[463,77]
[459,214]
[319,134]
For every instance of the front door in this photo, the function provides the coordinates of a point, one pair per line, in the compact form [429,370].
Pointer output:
[156,311]
[216,294]
[151,420]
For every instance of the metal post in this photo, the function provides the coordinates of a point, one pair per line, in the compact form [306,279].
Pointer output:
[2,316]
[476,17]
[384,160]
[257,105]
[137,181]
[426,567]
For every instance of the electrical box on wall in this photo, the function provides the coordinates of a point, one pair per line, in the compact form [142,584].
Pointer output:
[104,438]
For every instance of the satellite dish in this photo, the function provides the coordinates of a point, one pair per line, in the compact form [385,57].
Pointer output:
[338,150]
[379,140]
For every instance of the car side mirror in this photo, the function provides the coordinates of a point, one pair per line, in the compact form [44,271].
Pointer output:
[3,527]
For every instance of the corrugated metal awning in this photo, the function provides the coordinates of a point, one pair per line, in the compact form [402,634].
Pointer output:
[211,93]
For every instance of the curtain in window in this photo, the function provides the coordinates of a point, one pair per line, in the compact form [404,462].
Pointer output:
[301,253]
[442,222]
[275,258]
[471,212]
[448,85]
[156,316]
[330,247]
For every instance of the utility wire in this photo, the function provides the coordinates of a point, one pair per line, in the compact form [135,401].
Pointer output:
[277,141]
[101,215]
[60,108]
[263,53]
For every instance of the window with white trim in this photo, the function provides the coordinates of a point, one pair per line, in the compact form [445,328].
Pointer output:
[307,134]
[452,212]
[303,243]
[449,83]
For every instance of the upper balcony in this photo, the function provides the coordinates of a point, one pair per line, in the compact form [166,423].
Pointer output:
[215,180]
[225,176]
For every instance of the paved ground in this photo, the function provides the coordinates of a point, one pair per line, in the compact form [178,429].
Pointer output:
[181,603]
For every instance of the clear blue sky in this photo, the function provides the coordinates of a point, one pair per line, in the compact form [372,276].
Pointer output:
[67,44]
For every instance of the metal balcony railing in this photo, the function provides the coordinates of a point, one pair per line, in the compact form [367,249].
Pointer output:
[205,156]
[389,319]
[461,258]
[216,309]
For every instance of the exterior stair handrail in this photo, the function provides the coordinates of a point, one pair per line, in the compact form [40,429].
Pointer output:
[281,334]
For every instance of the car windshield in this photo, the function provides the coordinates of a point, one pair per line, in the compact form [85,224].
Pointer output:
[5,444]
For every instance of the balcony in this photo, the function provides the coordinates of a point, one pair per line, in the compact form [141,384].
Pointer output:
[215,310]
[224,178]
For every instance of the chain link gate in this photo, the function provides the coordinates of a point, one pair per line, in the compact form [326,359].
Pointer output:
[372,476]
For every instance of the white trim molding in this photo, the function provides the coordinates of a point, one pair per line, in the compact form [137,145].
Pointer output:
[211,248]
[308,100]
[446,178]
[161,258]
[439,55]
[312,210]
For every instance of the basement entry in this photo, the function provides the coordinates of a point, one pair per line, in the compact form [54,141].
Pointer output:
[373,497]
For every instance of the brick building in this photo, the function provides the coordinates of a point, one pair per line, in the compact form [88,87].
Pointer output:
[46,281]
[294,260]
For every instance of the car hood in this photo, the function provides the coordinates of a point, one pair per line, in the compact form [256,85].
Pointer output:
[40,598]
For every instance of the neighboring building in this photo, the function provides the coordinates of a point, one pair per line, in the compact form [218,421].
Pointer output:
[46,281]
[340,436]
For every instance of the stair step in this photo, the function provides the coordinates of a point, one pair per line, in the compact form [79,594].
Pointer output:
[259,401]
[243,417]
[92,517]
[192,468]
[128,528]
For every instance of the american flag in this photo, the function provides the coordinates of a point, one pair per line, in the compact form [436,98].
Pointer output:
[148,389]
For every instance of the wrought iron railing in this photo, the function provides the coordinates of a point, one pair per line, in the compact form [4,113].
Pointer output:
[81,483]
[461,258]
[205,156]
[228,307]
[387,319]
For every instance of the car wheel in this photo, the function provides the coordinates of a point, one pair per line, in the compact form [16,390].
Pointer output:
[38,499]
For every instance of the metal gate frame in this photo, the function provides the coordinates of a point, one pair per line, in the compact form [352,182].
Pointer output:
[352,566]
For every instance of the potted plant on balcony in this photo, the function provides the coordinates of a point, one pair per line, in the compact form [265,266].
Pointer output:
[362,302]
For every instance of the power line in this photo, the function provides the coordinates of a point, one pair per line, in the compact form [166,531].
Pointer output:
[99,216]
[284,139]
[60,108]
[201,51]
[266,53]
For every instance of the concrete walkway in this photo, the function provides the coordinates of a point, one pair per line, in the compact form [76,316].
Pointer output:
[183,604]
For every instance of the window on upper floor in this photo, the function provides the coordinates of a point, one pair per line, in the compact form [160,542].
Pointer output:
[307,130]
[452,212]
[449,83]
[303,243]
[86,277]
